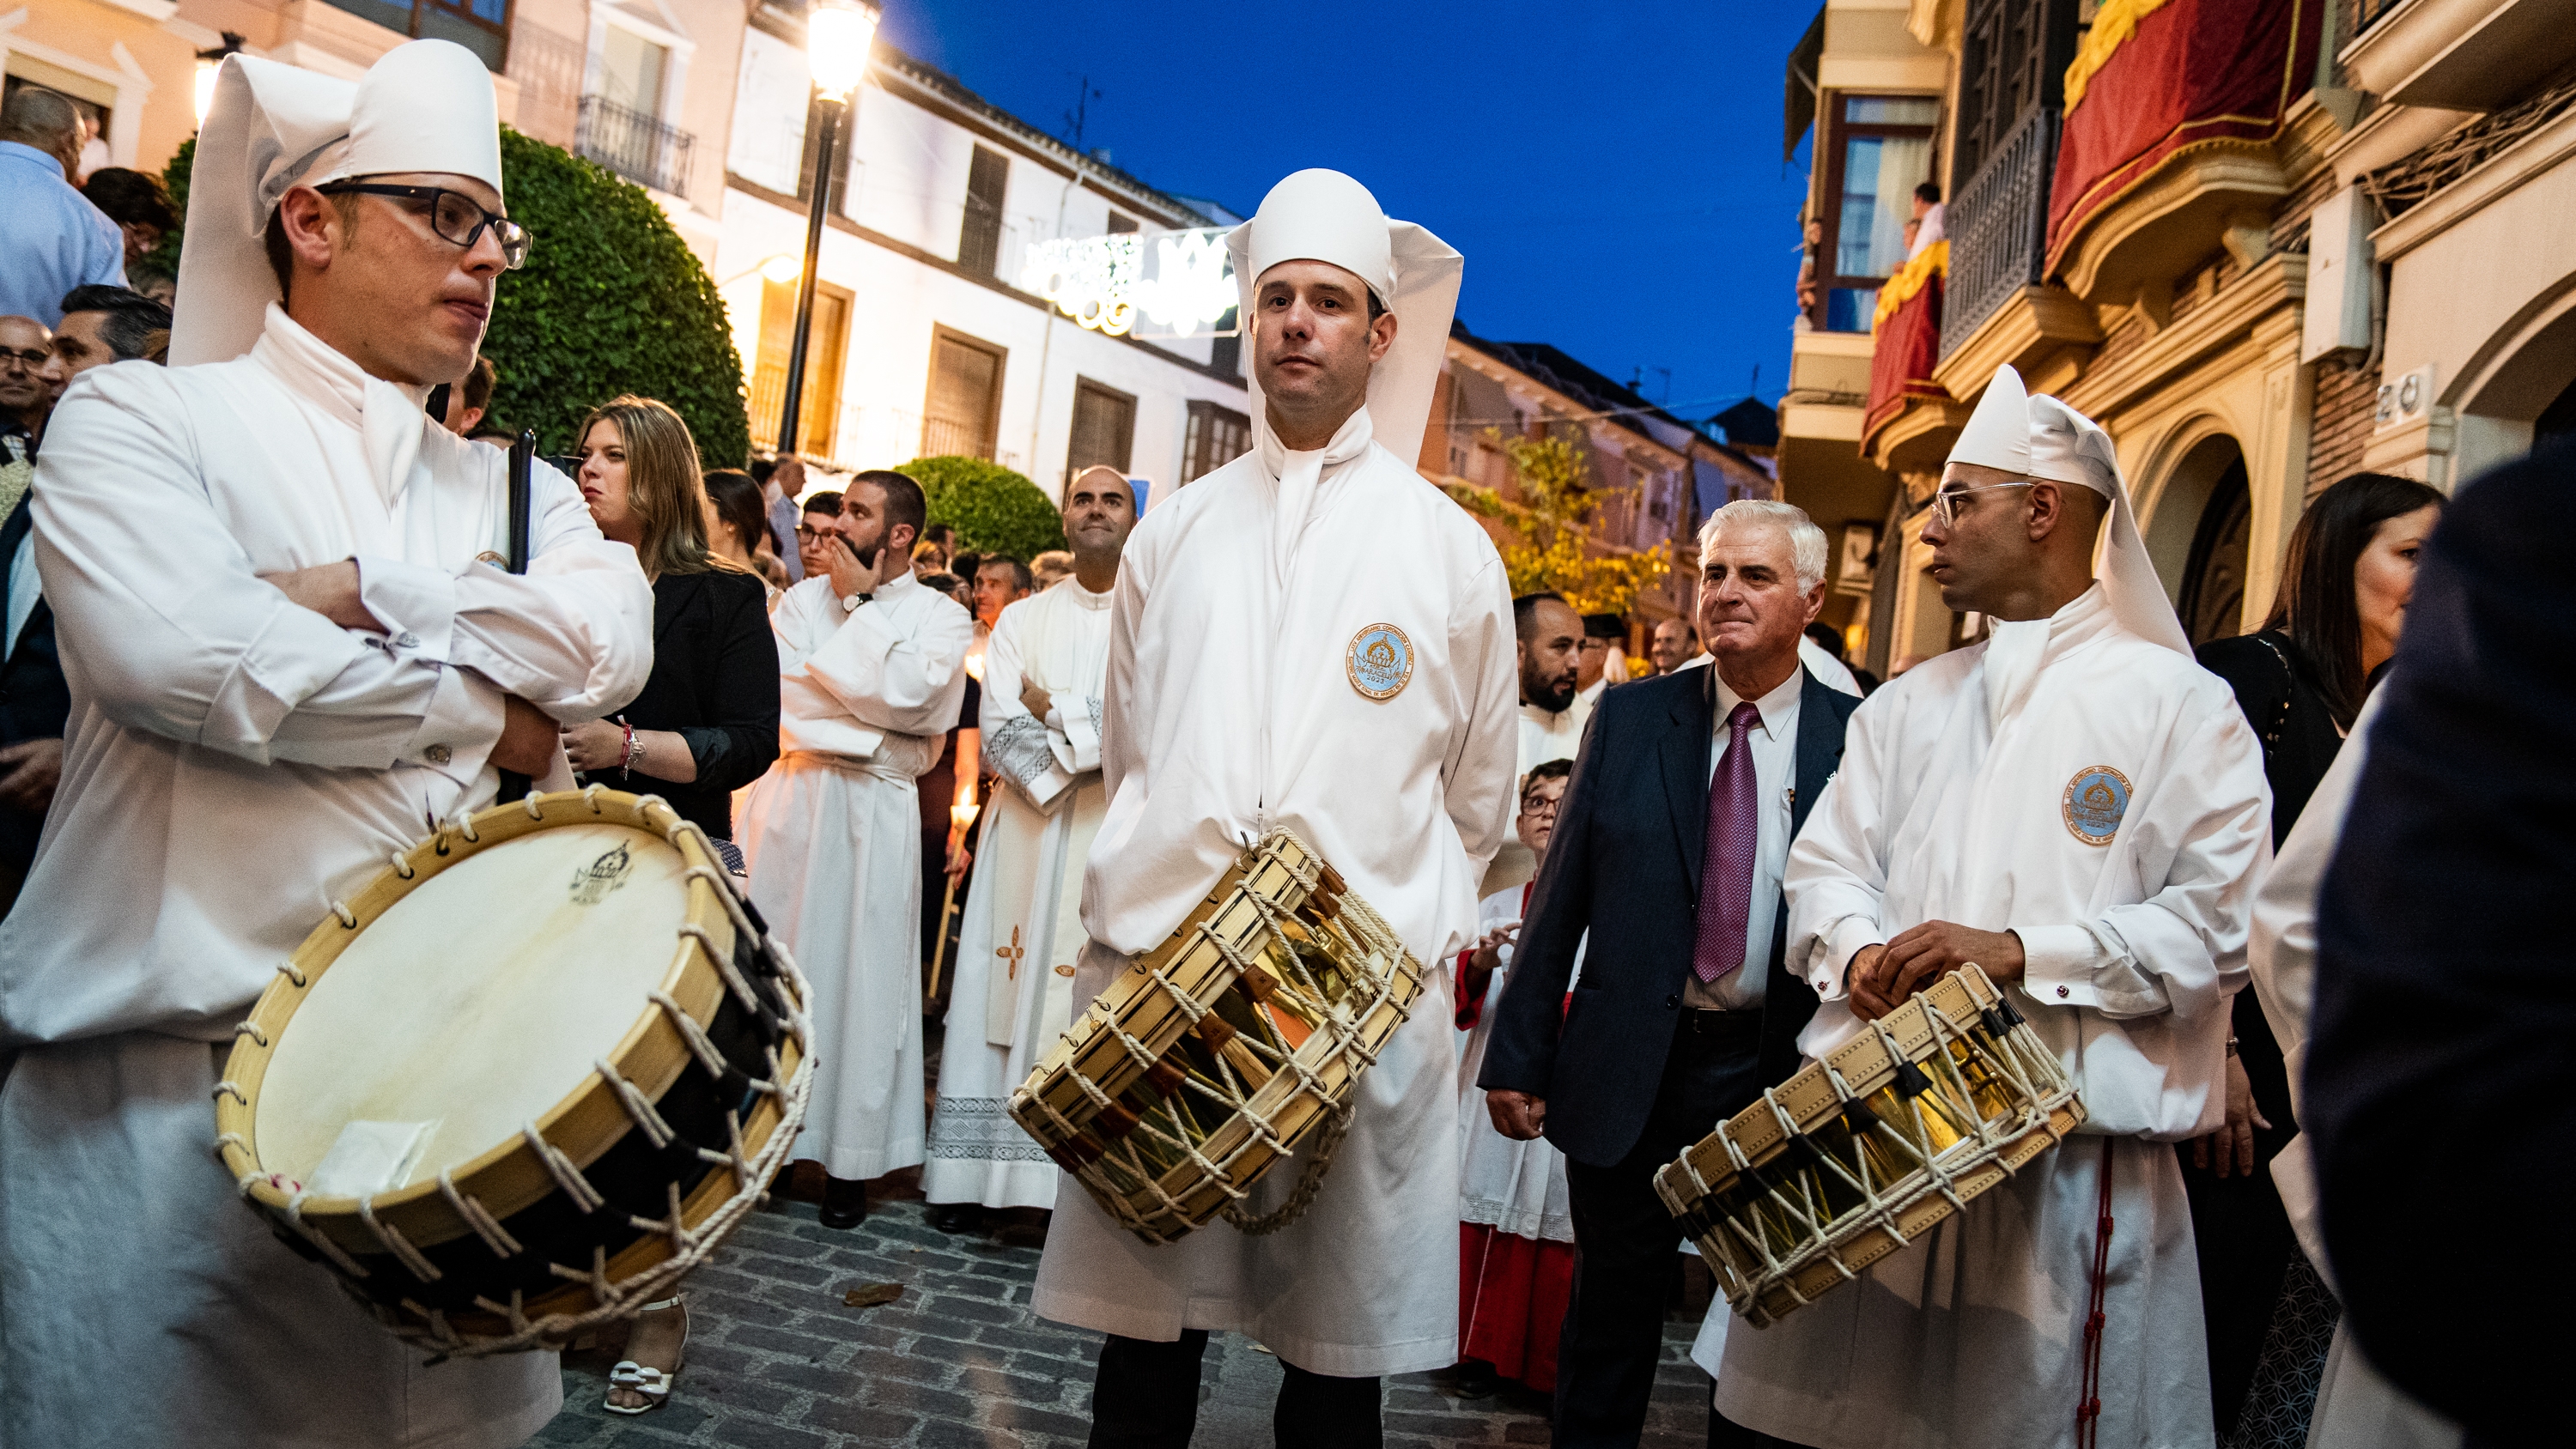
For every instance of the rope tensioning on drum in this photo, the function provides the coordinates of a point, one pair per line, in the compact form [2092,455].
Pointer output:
[312,1234]
[396,1244]
[479,1218]
[561,1168]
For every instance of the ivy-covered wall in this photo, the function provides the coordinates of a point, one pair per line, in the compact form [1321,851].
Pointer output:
[611,301]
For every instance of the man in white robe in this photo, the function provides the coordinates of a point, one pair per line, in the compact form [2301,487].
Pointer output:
[1549,646]
[288,660]
[2078,808]
[1046,670]
[871,667]
[1310,637]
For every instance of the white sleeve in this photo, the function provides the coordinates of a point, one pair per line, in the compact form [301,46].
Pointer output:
[1836,878]
[572,636]
[165,626]
[2208,824]
[1018,745]
[888,680]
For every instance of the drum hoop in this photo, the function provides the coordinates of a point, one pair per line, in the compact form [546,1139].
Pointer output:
[582,1125]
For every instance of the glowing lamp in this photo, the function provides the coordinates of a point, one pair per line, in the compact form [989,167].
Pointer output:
[838,34]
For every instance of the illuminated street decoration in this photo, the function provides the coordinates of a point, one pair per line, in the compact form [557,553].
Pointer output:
[1143,284]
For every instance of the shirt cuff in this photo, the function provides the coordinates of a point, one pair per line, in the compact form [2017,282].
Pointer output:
[415,602]
[2057,965]
[460,727]
[1831,973]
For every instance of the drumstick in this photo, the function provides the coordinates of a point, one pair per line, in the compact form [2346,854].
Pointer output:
[948,908]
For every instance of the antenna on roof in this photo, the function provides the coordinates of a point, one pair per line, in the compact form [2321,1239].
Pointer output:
[1083,96]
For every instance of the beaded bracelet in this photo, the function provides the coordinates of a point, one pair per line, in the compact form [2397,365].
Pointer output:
[634,750]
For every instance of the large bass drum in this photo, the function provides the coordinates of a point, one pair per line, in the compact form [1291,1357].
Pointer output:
[528,1077]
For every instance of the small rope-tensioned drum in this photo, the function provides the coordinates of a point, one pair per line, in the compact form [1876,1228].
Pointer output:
[1861,1153]
[1225,1049]
[525,1079]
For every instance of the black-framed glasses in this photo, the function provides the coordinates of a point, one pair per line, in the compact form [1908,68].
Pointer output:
[1541,807]
[455,216]
[32,356]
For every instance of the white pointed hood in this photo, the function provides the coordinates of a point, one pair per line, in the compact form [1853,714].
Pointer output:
[424,106]
[2040,437]
[1325,216]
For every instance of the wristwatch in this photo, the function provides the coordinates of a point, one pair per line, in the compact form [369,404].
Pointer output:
[850,602]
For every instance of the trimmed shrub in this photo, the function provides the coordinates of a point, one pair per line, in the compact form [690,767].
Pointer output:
[993,509]
[611,301]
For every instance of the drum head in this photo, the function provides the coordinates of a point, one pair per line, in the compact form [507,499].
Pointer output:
[478,1001]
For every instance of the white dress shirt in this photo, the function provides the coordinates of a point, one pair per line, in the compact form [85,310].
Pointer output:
[1774,741]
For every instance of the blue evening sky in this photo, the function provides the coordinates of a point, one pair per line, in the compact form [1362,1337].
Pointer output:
[1610,170]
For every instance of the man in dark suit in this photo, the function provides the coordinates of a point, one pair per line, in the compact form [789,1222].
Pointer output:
[2440,1086]
[1669,853]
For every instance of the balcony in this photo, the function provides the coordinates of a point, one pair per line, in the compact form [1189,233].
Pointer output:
[635,145]
[1998,229]
[2458,55]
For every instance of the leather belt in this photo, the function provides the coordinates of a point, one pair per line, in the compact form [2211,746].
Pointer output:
[1712,1021]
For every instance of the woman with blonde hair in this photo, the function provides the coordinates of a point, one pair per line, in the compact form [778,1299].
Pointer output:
[707,721]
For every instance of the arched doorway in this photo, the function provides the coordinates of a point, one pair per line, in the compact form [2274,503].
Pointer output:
[2212,605]
[2556,421]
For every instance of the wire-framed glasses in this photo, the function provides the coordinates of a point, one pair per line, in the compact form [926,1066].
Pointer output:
[1945,504]
[455,216]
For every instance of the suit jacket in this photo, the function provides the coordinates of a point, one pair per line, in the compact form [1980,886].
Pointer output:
[2441,1090]
[35,702]
[1624,864]
[715,684]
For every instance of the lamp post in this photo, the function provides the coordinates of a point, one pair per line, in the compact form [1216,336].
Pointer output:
[837,36]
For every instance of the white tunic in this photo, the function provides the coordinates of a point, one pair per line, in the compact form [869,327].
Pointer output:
[1232,709]
[1022,930]
[1518,1187]
[233,764]
[831,838]
[1547,734]
[2356,1407]
[1952,804]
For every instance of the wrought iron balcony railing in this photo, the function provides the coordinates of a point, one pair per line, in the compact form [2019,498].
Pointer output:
[635,145]
[1998,228]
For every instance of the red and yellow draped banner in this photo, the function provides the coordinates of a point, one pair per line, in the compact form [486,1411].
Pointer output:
[2158,79]
[1905,339]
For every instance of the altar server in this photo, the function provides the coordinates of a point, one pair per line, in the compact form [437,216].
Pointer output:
[871,667]
[288,660]
[1310,637]
[2078,808]
[1045,672]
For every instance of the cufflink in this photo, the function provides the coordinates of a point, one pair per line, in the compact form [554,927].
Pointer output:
[441,754]
[2062,993]
[407,639]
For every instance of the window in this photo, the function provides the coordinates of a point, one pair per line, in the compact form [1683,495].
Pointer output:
[1225,354]
[481,26]
[979,238]
[630,70]
[1881,150]
[819,410]
[963,413]
[1104,428]
[2013,56]
[1120,224]
[1217,436]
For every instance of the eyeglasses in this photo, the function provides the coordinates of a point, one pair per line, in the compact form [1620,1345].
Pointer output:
[36,357]
[1541,808]
[1945,504]
[455,216]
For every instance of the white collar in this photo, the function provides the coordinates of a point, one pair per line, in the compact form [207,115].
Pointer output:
[387,416]
[1775,707]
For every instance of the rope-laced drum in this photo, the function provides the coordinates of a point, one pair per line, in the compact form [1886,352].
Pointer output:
[1225,1048]
[528,1077]
[1861,1153]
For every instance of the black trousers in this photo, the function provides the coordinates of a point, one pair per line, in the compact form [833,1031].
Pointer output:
[1626,1242]
[1145,1395]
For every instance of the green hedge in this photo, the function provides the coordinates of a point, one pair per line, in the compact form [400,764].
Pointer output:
[611,301]
[993,509]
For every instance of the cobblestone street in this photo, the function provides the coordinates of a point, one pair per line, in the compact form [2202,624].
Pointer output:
[777,1361]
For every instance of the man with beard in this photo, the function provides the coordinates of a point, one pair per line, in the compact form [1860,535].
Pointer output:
[1310,638]
[1551,655]
[871,672]
[1046,672]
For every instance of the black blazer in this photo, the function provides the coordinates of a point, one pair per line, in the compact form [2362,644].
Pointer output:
[1625,865]
[2440,1077]
[35,702]
[715,683]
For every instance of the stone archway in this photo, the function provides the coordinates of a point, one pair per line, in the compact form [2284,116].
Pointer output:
[2198,523]
[2517,389]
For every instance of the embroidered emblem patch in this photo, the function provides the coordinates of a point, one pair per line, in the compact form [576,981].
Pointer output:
[2094,802]
[602,877]
[1380,661]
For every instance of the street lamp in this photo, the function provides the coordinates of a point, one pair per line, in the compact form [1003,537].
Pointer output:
[208,62]
[838,34]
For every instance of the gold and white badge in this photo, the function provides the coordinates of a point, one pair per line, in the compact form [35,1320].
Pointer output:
[1380,661]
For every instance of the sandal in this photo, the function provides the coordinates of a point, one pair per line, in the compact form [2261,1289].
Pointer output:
[654,1384]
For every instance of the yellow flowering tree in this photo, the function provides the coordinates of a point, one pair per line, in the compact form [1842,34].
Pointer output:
[1556,550]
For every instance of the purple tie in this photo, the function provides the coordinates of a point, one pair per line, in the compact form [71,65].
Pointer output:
[1726,868]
